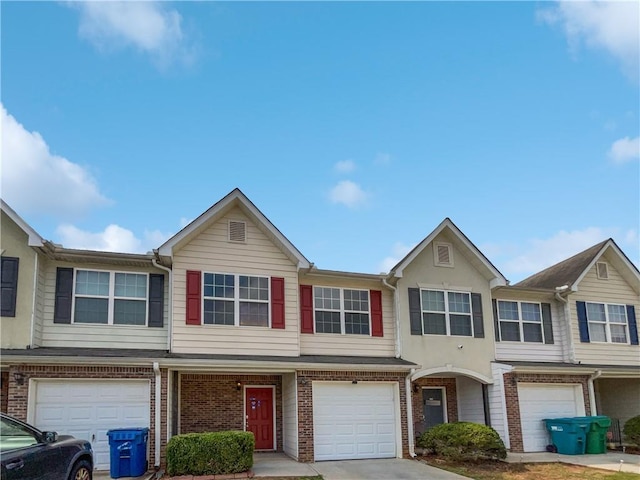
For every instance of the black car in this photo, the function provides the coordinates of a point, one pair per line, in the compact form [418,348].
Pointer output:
[27,453]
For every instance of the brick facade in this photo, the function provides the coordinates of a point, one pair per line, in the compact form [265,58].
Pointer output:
[451,395]
[511,381]
[18,395]
[4,391]
[212,403]
[305,404]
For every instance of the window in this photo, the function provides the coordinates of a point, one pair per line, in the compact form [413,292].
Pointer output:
[520,322]
[236,300]
[339,310]
[116,298]
[446,313]
[607,322]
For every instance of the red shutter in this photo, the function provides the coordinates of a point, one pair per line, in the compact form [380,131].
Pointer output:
[277,302]
[376,313]
[194,301]
[306,309]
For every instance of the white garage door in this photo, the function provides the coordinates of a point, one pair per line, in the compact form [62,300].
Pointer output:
[352,421]
[540,401]
[88,409]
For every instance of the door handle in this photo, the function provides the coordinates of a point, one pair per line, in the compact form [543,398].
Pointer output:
[18,464]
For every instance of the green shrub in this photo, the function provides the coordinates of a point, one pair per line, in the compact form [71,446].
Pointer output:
[463,441]
[213,453]
[632,430]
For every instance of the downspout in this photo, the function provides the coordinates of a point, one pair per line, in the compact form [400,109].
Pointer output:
[156,369]
[170,303]
[407,386]
[567,316]
[32,343]
[396,315]
[592,392]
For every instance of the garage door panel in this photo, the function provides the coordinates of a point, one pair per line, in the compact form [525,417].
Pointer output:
[354,421]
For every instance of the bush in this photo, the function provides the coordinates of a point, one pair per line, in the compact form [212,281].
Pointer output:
[463,441]
[213,453]
[632,430]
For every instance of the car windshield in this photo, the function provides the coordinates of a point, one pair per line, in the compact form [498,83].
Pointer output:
[14,436]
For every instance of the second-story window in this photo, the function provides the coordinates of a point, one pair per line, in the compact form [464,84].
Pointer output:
[446,313]
[117,298]
[520,322]
[236,300]
[339,310]
[607,322]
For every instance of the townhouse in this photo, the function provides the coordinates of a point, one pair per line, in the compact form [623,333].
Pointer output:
[228,326]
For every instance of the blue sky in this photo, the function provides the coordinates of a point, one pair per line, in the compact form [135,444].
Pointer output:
[355,127]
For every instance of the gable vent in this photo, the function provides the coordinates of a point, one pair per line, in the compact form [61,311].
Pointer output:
[602,270]
[442,253]
[237,231]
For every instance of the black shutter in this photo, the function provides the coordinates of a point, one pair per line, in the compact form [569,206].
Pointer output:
[478,320]
[8,286]
[496,322]
[547,324]
[633,325]
[156,300]
[415,312]
[64,295]
[583,326]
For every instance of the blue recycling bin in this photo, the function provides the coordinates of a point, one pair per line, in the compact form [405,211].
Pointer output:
[128,452]
[569,435]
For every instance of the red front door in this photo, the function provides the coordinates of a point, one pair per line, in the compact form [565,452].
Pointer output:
[259,416]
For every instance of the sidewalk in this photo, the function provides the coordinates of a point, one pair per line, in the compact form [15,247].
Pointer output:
[616,461]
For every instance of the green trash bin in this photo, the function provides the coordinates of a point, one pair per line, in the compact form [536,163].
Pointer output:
[568,435]
[597,435]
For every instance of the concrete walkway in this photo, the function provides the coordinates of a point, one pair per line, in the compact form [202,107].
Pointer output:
[619,462]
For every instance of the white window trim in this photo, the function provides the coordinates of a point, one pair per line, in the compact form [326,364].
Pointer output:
[436,259]
[521,322]
[236,300]
[342,311]
[607,323]
[111,298]
[446,313]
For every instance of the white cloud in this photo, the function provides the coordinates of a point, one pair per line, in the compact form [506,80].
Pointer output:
[345,166]
[382,159]
[604,25]
[114,238]
[518,262]
[348,193]
[398,252]
[148,26]
[34,180]
[625,150]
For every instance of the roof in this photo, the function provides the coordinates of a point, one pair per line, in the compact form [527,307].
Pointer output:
[497,278]
[570,272]
[35,240]
[235,198]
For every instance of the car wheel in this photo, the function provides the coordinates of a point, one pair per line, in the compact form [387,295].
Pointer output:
[81,471]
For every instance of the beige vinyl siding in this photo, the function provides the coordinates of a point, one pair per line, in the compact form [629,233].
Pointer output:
[526,351]
[16,331]
[211,252]
[470,400]
[40,301]
[497,404]
[290,415]
[618,398]
[98,336]
[359,345]
[614,290]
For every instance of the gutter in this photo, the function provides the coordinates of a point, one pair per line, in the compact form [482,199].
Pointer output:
[567,316]
[592,393]
[170,303]
[33,304]
[395,314]
[156,369]
[407,387]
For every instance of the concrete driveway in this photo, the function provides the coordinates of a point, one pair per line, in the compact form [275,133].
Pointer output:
[383,469]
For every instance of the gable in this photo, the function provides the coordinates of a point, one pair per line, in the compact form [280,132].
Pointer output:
[618,287]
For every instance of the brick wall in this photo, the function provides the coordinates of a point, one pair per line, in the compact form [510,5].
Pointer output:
[18,395]
[212,403]
[511,381]
[451,394]
[4,391]
[305,404]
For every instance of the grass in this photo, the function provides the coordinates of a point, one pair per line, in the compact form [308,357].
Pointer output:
[495,470]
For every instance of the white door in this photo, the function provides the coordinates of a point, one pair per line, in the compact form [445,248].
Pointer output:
[88,409]
[540,401]
[352,421]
